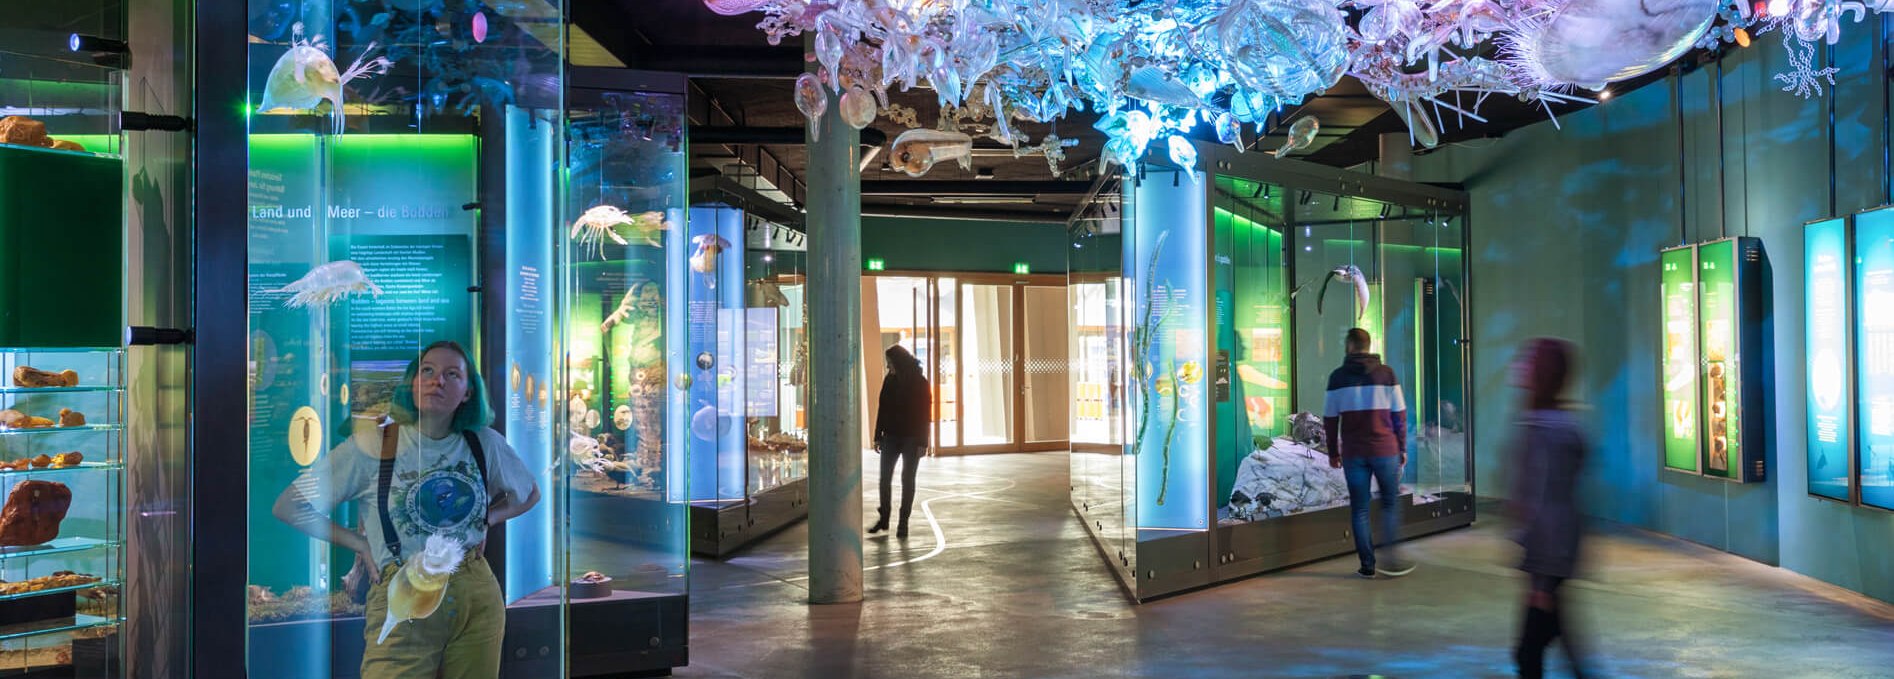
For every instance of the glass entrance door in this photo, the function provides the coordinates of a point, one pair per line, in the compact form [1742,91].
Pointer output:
[989,387]
[994,349]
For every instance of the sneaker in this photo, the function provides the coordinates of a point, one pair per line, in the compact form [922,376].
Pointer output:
[1365,572]
[1396,569]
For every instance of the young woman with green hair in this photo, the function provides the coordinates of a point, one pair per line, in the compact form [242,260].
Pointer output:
[435,469]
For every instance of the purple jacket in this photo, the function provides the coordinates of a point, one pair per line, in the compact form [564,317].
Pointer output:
[1366,415]
[1548,452]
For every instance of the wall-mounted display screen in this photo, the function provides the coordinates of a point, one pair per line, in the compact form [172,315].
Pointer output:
[1874,355]
[1830,422]
[1680,359]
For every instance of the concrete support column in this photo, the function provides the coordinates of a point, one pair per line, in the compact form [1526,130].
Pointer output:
[834,299]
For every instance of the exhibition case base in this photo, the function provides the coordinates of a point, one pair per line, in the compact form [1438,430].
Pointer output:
[722,528]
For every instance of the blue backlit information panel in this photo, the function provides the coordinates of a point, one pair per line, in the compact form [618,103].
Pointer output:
[1874,361]
[1830,427]
[1170,396]
[716,367]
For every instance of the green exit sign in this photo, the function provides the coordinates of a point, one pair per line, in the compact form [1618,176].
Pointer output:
[1021,268]
[875,264]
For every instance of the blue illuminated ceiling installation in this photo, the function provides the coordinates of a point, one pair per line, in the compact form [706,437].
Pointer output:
[1151,70]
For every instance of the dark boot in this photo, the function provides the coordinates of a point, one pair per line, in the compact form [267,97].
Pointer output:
[902,532]
[1539,629]
[879,525]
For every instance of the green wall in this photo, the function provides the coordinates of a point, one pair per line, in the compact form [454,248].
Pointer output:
[919,244]
[1566,227]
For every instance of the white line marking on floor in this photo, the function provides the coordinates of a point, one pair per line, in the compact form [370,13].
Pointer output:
[927,510]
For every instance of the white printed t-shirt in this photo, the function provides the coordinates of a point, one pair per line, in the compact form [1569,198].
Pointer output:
[433,489]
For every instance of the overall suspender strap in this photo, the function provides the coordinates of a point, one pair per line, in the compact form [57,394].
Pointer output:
[479,454]
[390,440]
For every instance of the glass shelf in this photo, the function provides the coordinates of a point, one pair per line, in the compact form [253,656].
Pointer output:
[78,622]
[83,466]
[57,546]
[57,390]
[52,430]
[56,590]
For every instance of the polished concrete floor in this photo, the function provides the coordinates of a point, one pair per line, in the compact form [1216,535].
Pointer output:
[1003,582]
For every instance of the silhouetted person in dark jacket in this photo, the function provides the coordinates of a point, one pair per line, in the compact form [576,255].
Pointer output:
[1548,451]
[901,431]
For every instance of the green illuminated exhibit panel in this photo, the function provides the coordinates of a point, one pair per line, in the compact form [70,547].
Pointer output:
[1680,364]
[1253,395]
[1722,379]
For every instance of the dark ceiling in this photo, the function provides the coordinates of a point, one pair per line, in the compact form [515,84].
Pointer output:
[740,80]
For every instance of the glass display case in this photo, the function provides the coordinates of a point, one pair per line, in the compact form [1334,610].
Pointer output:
[61,85]
[427,173]
[1211,309]
[749,474]
[639,333]
[62,352]
[62,526]
[778,334]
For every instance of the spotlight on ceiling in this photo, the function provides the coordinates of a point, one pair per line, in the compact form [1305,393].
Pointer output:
[91,43]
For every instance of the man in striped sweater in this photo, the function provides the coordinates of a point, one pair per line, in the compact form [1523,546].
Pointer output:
[1366,423]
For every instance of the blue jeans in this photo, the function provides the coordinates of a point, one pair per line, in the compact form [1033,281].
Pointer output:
[1386,473]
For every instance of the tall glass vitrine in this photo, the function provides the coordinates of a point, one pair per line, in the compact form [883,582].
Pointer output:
[1210,309]
[401,183]
[420,174]
[63,405]
[640,360]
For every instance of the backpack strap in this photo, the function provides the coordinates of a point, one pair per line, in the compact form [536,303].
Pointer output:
[385,478]
[479,454]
